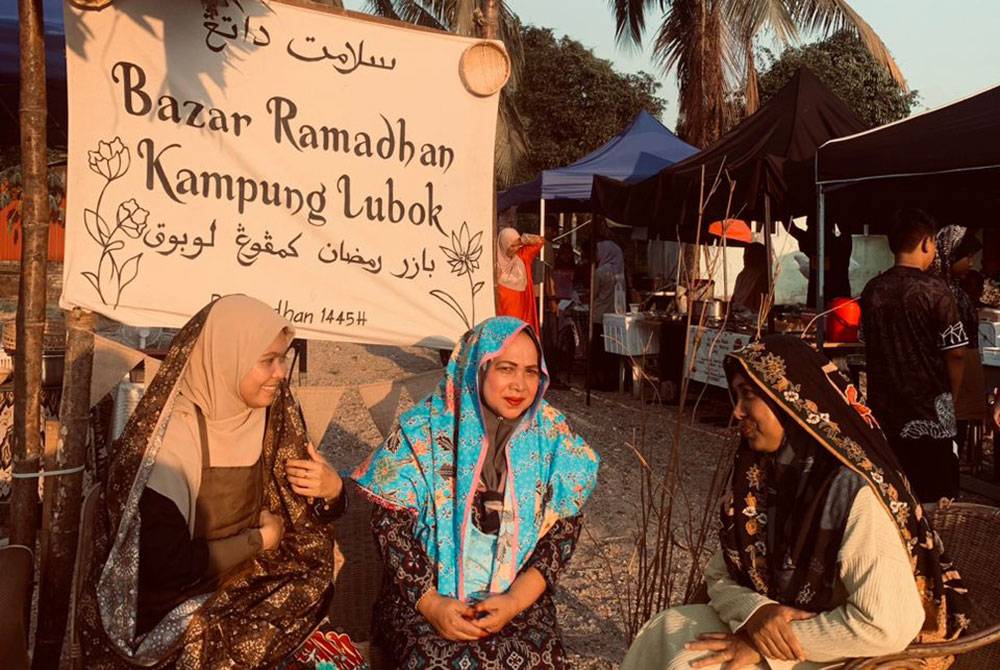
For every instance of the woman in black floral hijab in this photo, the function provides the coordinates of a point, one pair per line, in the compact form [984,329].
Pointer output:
[825,552]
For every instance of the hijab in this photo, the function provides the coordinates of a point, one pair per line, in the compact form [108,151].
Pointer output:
[260,613]
[610,258]
[785,515]
[433,462]
[953,244]
[751,282]
[511,271]
[236,333]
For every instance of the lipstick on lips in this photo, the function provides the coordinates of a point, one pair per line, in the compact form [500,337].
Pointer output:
[514,401]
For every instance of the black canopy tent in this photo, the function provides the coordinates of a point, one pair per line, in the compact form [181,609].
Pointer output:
[946,161]
[768,158]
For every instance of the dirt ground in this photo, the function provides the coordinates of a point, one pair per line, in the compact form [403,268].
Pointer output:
[588,598]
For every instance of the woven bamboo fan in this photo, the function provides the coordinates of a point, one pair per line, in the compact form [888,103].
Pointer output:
[484,68]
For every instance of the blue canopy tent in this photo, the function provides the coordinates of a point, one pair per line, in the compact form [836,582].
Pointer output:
[10,73]
[644,148]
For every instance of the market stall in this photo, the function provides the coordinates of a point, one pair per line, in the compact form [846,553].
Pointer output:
[767,162]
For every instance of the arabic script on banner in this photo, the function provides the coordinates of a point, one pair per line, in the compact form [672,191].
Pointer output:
[334,167]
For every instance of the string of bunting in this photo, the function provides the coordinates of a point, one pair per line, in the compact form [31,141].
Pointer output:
[383,400]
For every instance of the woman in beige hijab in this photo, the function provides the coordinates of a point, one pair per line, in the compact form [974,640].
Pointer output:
[212,472]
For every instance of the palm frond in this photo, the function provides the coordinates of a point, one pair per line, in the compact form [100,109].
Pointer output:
[630,18]
[829,16]
[750,17]
[382,8]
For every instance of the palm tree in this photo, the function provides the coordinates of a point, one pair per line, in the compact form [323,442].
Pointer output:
[711,44]
[472,17]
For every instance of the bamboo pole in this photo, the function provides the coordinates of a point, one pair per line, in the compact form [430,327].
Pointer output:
[66,490]
[31,289]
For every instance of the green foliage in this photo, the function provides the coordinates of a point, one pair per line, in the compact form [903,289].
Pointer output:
[571,102]
[844,64]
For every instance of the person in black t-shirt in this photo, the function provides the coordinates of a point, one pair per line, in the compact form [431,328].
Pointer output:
[915,342]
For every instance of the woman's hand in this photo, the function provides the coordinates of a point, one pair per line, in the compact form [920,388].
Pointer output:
[529,240]
[272,529]
[496,612]
[313,478]
[770,631]
[733,650]
[452,619]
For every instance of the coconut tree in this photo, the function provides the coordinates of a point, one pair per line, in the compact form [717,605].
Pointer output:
[710,45]
[474,17]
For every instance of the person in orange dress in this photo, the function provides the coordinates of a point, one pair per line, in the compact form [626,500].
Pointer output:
[515,285]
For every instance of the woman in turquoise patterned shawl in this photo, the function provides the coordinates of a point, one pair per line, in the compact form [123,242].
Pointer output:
[478,494]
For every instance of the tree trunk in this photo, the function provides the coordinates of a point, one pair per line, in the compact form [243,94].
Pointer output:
[31,290]
[65,492]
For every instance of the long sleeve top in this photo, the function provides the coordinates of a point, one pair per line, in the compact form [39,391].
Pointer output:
[880,611]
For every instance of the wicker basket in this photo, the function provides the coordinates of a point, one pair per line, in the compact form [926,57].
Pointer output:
[53,338]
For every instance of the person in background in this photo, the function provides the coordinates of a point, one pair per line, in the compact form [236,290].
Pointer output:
[915,344]
[515,284]
[751,283]
[610,271]
[825,553]
[558,330]
[955,248]
[478,497]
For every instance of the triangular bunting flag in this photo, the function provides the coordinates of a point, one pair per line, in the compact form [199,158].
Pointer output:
[112,361]
[319,404]
[422,385]
[382,401]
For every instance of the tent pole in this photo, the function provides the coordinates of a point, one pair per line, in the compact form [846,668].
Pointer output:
[820,260]
[590,313]
[541,292]
[769,244]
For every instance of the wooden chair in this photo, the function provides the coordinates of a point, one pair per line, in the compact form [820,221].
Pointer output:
[968,532]
[17,565]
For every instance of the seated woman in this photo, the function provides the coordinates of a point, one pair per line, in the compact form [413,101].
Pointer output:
[478,495]
[208,551]
[825,552]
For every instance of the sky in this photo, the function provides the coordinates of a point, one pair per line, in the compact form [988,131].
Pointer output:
[945,50]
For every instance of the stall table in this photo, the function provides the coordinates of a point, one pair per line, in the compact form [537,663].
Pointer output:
[635,336]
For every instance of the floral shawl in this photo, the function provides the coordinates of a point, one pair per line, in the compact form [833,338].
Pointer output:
[826,420]
[432,464]
[260,613]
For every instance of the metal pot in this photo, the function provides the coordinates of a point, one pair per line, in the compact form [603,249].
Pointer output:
[713,309]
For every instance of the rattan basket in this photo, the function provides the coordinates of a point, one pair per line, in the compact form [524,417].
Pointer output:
[53,339]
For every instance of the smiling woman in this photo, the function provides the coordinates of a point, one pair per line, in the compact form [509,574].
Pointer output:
[476,591]
[825,553]
[211,471]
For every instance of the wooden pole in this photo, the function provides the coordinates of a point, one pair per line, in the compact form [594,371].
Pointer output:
[31,290]
[769,244]
[66,490]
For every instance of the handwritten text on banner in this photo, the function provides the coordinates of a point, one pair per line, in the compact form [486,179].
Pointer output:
[334,167]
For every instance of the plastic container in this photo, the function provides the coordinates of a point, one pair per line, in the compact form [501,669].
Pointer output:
[620,300]
[843,321]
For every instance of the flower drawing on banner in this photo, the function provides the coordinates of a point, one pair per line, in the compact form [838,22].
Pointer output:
[463,257]
[111,161]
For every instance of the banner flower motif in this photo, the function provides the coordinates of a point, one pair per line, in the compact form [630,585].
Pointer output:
[111,160]
[465,252]
[132,218]
[463,258]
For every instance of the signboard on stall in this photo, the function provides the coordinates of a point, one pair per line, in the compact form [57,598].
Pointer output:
[707,347]
[337,168]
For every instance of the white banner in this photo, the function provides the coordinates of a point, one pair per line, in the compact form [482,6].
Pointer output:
[338,168]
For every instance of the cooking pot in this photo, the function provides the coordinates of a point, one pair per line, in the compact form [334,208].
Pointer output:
[714,309]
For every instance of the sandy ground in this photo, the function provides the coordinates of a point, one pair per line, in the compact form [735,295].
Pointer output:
[588,600]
